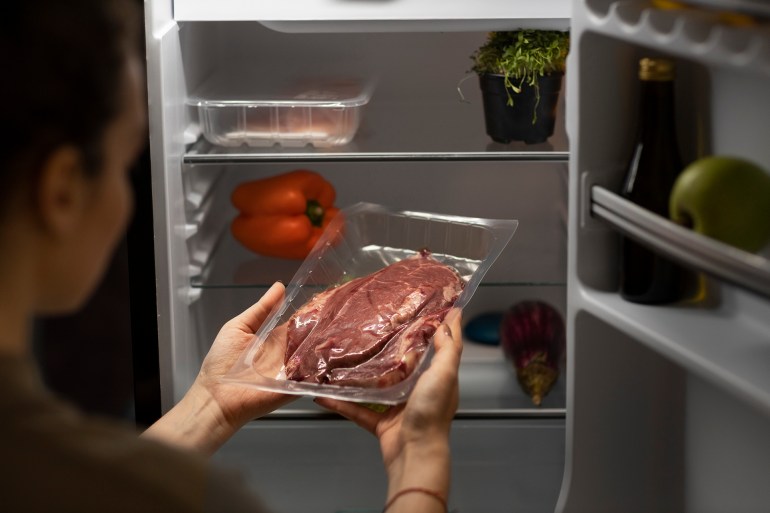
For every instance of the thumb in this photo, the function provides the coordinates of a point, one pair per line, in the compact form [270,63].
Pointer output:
[448,347]
[253,317]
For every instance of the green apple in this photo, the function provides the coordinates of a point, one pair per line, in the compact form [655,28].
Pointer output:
[725,198]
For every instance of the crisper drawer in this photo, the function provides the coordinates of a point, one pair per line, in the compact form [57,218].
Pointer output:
[331,466]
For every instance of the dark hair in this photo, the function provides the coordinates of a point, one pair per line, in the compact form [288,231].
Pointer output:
[64,65]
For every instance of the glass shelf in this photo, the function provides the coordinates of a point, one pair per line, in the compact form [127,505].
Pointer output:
[233,266]
[438,129]
[203,152]
[488,389]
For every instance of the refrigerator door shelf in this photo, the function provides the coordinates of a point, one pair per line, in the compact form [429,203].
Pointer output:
[680,32]
[723,261]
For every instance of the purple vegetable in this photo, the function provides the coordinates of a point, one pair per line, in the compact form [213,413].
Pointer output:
[533,338]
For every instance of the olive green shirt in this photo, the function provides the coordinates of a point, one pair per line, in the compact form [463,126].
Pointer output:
[55,459]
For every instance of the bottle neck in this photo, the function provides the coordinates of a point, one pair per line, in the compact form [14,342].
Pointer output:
[656,108]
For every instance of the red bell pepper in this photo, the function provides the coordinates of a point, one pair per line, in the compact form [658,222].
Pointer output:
[283,215]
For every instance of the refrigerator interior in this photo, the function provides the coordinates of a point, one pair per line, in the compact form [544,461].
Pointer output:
[668,406]
[420,146]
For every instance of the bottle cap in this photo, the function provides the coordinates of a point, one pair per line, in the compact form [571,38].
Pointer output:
[656,69]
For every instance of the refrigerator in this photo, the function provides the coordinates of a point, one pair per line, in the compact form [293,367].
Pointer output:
[658,408]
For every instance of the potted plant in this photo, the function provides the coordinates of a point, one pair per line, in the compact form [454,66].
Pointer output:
[520,74]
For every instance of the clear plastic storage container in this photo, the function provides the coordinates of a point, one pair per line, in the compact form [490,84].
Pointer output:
[265,110]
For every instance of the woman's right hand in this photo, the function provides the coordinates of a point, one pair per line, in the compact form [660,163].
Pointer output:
[414,438]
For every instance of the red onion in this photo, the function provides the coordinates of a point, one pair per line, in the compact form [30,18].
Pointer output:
[533,338]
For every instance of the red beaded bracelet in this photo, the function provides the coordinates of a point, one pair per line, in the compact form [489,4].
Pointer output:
[416,489]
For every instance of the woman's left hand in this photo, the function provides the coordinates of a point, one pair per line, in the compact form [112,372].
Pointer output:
[212,410]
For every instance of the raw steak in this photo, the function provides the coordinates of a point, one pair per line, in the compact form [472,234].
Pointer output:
[371,331]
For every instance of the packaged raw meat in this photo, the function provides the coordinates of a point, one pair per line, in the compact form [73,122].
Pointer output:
[372,331]
[358,317]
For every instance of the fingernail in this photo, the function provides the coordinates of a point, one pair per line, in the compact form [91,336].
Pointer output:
[446,330]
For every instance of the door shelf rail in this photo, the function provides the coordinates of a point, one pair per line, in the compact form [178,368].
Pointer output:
[746,270]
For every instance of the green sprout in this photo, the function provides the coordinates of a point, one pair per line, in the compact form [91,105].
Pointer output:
[521,56]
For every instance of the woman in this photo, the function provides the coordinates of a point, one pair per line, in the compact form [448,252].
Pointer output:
[73,123]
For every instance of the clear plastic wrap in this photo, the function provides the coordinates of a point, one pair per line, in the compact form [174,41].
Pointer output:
[363,239]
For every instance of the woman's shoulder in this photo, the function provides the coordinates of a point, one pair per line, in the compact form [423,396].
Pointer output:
[66,461]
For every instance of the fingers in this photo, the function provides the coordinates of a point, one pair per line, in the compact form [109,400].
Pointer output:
[255,315]
[448,344]
[453,319]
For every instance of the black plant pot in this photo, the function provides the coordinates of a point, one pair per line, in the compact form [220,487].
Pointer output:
[506,123]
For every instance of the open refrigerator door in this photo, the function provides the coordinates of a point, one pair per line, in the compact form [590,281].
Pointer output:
[668,405]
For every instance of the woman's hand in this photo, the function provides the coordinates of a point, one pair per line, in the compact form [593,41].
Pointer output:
[240,404]
[212,411]
[414,438]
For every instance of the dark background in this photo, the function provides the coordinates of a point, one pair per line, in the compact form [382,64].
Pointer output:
[105,358]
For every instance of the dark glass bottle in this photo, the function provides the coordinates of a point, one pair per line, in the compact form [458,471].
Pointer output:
[645,276]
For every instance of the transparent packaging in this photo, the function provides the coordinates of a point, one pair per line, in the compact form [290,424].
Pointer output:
[261,111]
[361,240]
